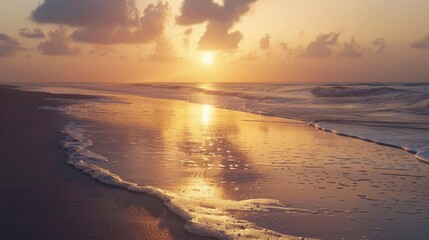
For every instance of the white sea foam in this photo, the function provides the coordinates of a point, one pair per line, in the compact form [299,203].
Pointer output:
[76,145]
[204,216]
[423,155]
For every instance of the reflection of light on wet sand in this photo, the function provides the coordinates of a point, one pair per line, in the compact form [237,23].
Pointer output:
[167,135]
[206,114]
[198,187]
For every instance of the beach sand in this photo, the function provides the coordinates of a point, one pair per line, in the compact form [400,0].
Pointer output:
[41,197]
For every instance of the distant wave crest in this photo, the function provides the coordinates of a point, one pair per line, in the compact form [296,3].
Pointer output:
[243,95]
[353,92]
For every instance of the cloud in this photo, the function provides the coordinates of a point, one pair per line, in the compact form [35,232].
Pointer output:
[217,37]
[322,47]
[188,32]
[101,50]
[289,51]
[186,39]
[381,45]
[35,33]
[264,43]
[105,21]
[9,46]
[352,49]
[163,51]
[284,46]
[58,43]
[423,43]
[250,57]
[220,19]
[82,13]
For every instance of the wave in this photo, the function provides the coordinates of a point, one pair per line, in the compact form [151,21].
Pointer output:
[205,217]
[242,95]
[353,92]
[421,153]
[164,86]
[278,93]
[216,92]
[415,84]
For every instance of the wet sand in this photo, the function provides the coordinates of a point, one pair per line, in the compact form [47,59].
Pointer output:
[41,197]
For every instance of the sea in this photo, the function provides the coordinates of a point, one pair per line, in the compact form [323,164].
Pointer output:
[108,140]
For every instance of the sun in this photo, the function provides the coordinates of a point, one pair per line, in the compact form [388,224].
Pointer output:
[208,58]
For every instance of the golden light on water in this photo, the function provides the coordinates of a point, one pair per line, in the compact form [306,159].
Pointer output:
[199,188]
[206,86]
[206,114]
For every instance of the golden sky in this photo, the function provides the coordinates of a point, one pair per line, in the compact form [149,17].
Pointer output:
[214,40]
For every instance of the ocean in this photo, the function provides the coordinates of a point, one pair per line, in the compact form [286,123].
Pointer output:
[394,114]
[233,175]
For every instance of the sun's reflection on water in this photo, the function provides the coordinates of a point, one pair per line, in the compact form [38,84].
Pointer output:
[199,187]
[206,115]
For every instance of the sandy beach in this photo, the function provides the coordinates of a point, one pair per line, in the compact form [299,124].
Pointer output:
[44,198]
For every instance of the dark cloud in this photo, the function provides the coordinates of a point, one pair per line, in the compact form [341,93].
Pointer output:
[217,37]
[9,46]
[58,43]
[322,46]
[423,43]
[34,33]
[220,19]
[264,43]
[105,21]
[352,49]
[381,45]
[198,11]
[83,13]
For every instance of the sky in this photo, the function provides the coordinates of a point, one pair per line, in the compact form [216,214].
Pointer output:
[214,41]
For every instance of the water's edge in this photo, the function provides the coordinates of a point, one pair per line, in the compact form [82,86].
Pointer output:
[203,217]
[422,155]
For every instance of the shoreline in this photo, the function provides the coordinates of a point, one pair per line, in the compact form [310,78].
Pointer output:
[45,198]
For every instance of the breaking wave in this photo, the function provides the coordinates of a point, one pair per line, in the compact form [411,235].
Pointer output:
[353,92]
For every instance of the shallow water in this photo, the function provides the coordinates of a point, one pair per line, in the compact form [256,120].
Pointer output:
[207,160]
[394,114]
